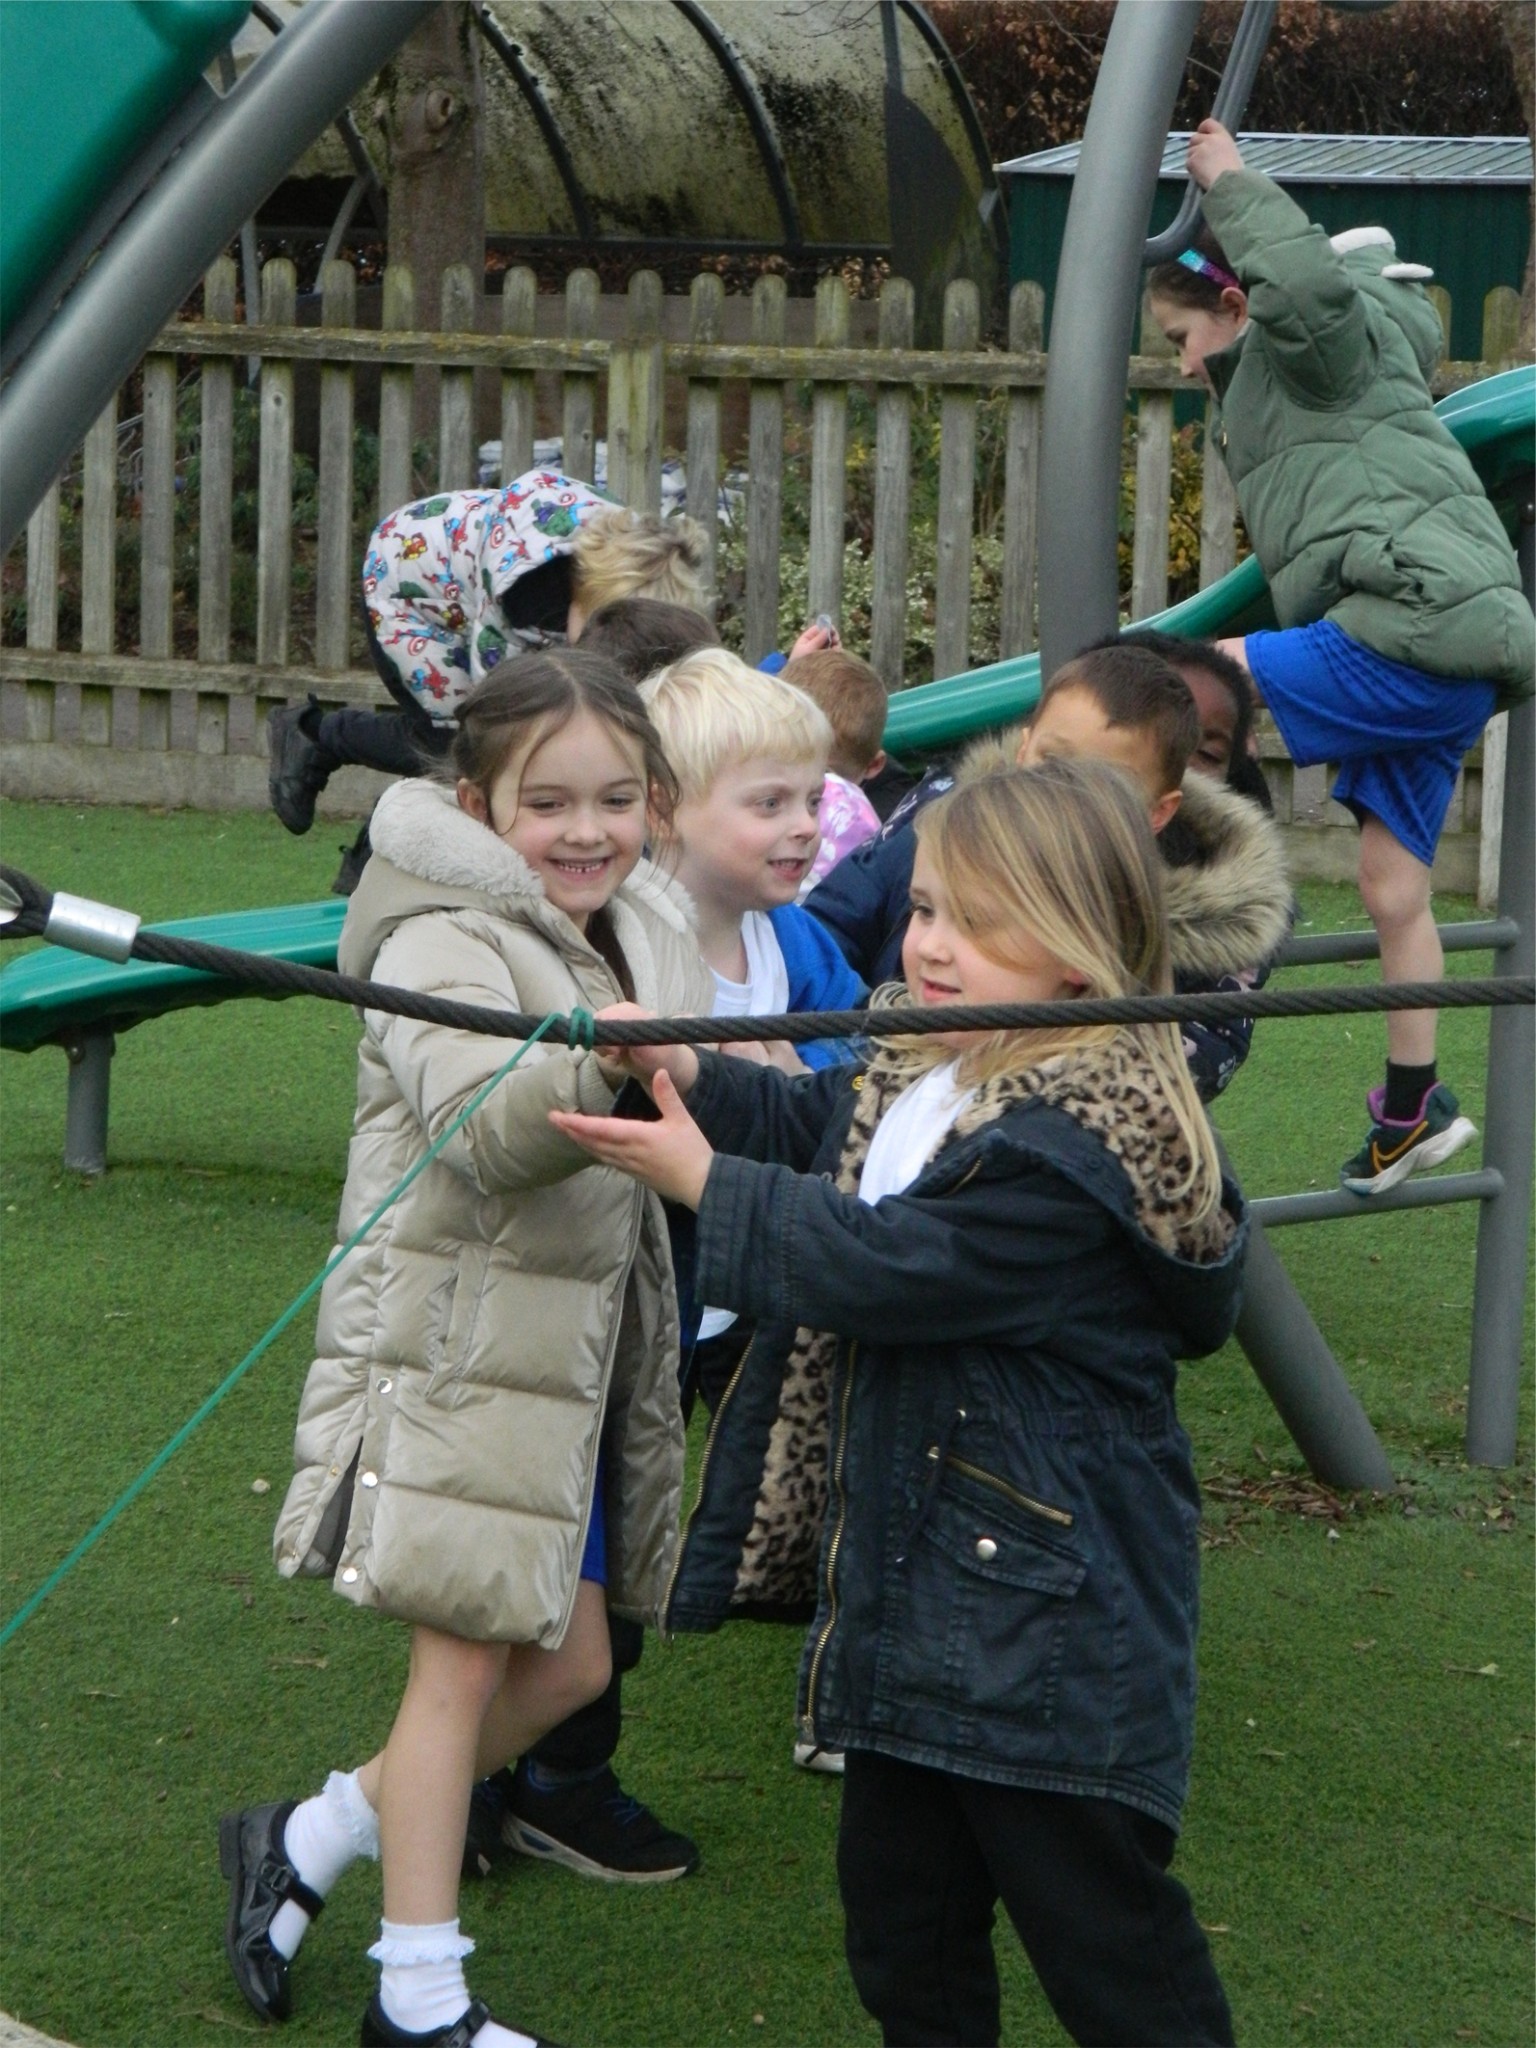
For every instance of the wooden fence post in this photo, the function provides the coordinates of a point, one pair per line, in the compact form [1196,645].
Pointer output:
[1501,326]
[216,493]
[578,396]
[1021,477]
[706,302]
[635,394]
[43,574]
[829,460]
[1218,507]
[957,485]
[335,570]
[1491,824]
[397,397]
[519,313]
[98,535]
[893,495]
[1440,299]
[274,538]
[1154,482]
[456,394]
[765,477]
[157,507]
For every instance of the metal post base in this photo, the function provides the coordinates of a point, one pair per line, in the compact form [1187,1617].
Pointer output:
[85,1115]
[1303,1378]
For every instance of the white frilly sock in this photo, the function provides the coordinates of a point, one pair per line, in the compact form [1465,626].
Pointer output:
[322,1837]
[422,1987]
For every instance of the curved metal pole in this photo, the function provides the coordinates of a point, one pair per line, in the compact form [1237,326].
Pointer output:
[1098,289]
[1238,74]
[191,212]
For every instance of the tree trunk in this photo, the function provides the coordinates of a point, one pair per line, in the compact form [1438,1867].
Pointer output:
[1520,33]
[431,111]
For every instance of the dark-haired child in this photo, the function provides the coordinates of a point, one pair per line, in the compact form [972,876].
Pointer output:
[1229,899]
[1396,588]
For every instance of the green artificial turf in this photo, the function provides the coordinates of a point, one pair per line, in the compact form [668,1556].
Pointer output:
[1358,1834]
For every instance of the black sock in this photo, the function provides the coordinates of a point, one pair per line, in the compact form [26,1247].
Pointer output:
[1406,1089]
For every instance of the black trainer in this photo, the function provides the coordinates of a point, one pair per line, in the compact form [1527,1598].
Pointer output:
[379,2031]
[298,767]
[252,1857]
[596,1829]
[485,1837]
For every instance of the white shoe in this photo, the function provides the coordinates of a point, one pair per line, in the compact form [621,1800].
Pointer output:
[810,1756]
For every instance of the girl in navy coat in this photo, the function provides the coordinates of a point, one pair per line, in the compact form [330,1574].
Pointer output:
[974,1263]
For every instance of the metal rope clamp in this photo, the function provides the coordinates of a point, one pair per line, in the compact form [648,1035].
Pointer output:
[88,927]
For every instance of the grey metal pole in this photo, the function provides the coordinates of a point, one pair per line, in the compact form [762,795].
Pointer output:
[167,241]
[1302,1377]
[1509,1119]
[1098,290]
[85,1109]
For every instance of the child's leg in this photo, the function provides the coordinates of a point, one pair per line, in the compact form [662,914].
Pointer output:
[467,1708]
[917,1905]
[1395,888]
[1112,1936]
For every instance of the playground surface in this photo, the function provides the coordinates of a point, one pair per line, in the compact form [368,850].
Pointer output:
[1359,1834]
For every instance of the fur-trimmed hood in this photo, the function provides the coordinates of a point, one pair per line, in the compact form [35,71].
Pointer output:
[1227,892]
[429,855]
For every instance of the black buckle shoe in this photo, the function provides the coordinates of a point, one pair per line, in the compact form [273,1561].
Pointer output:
[298,767]
[260,1879]
[596,1829]
[379,2031]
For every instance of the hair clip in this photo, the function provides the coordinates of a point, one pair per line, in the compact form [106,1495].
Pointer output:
[1204,267]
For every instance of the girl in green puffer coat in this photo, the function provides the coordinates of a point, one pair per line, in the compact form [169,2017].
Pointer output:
[1402,622]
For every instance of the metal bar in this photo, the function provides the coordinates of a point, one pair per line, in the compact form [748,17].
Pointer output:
[85,1111]
[531,87]
[1333,1204]
[1301,1376]
[1318,949]
[748,96]
[1509,1137]
[1098,292]
[1238,74]
[159,252]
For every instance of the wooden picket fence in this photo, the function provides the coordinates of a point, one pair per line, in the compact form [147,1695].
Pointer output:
[99,722]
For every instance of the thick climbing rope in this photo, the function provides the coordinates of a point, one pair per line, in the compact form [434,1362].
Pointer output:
[285,977]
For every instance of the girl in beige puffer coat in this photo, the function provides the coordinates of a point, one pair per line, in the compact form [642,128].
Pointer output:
[489,1445]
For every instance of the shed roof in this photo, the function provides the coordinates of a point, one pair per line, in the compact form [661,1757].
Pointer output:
[1336,159]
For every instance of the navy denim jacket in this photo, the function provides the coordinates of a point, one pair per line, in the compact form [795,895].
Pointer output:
[1008,1577]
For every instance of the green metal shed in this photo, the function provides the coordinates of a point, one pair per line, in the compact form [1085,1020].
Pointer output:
[1458,203]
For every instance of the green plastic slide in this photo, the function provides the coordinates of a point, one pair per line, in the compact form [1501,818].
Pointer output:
[1494,420]
[85,86]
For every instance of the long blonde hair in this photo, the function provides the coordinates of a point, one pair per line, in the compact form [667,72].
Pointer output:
[1063,852]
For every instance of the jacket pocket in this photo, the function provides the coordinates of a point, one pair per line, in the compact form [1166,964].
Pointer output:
[978,1606]
[453,1355]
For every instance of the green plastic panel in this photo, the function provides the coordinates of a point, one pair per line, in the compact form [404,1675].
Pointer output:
[1494,420]
[84,85]
[52,991]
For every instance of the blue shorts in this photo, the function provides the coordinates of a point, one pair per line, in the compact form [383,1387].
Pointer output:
[594,1559]
[1398,734]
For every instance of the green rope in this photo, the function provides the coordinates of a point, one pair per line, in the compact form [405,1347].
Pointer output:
[581,1029]
[163,1457]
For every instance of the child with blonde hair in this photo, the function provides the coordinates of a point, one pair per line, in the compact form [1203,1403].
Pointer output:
[455,582]
[975,1263]
[750,754]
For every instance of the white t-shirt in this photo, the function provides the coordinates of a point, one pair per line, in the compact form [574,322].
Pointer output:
[911,1131]
[764,993]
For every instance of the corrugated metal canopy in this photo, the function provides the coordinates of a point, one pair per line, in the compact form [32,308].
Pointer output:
[1336,159]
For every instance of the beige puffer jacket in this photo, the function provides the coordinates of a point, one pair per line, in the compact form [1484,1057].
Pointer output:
[517,1302]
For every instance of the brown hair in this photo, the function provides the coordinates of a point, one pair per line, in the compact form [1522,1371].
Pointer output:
[530,696]
[1134,687]
[1063,852]
[856,702]
[1181,286]
[643,634]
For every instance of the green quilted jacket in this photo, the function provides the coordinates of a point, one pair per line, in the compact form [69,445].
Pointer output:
[1359,503]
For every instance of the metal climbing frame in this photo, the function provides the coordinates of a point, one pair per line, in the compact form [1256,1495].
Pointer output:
[1098,293]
